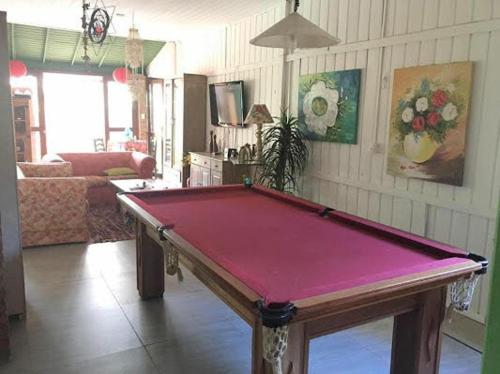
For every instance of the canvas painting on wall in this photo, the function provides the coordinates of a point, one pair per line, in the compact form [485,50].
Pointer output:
[328,106]
[430,107]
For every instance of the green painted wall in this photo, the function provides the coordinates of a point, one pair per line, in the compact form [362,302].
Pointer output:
[62,50]
[491,358]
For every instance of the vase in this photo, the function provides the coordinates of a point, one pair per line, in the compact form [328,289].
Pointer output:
[419,147]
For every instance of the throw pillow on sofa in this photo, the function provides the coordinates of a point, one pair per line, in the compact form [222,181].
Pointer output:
[50,157]
[113,172]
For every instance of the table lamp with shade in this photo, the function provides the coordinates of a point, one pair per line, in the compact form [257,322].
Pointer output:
[258,114]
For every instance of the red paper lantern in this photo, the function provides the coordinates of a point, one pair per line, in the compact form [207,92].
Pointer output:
[120,75]
[17,68]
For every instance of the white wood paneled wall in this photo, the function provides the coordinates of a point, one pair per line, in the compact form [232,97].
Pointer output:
[379,36]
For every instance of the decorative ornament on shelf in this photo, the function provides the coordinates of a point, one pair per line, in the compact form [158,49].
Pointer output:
[17,68]
[216,146]
[211,145]
[294,31]
[134,60]
[186,160]
[258,114]
[245,154]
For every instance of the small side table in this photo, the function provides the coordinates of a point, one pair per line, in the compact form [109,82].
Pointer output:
[135,185]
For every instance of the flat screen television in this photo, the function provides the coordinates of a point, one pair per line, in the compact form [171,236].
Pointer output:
[227,104]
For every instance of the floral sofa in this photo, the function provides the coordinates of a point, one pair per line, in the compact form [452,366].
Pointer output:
[52,204]
[93,166]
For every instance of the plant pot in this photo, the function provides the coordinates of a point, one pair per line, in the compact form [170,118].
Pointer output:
[420,147]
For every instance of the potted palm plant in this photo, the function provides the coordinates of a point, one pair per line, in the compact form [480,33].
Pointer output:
[285,154]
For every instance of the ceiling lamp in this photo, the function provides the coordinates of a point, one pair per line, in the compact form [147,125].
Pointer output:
[294,31]
[137,85]
[134,60]
[134,49]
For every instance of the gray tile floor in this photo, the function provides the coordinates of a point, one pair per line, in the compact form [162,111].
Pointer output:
[84,316]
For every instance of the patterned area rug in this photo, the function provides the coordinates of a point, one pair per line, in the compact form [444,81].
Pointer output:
[106,224]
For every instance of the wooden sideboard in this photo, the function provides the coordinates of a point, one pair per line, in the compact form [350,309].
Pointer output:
[212,170]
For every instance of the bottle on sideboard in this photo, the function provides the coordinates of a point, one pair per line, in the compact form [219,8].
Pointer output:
[216,147]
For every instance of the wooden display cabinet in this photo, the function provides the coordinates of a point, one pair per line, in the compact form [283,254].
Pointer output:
[23,120]
[185,130]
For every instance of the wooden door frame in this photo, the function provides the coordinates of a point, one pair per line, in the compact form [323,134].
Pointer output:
[13,273]
[38,74]
[150,106]
[42,124]
[149,102]
[107,128]
[105,81]
[105,78]
[135,118]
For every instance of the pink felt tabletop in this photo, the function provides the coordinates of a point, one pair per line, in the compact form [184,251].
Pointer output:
[283,249]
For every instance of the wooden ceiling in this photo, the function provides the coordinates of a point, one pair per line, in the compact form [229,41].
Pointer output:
[166,20]
[54,49]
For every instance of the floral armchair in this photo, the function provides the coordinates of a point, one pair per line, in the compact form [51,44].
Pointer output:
[52,204]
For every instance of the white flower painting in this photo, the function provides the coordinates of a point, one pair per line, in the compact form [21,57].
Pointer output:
[321,108]
[328,106]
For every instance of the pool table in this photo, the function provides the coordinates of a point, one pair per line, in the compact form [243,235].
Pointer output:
[295,270]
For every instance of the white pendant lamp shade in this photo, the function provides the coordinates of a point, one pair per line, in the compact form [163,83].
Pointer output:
[294,31]
[134,49]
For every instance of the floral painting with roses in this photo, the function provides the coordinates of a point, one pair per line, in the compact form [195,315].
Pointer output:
[328,106]
[430,106]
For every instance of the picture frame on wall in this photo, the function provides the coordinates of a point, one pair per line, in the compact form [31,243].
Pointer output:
[329,105]
[428,123]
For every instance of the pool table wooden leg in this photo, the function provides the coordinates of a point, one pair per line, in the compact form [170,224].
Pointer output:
[296,356]
[150,267]
[416,345]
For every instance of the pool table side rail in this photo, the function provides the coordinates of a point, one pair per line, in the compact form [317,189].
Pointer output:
[378,229]
[231,290]
[244,300]
[352,298]
[185,191]
[407,239]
